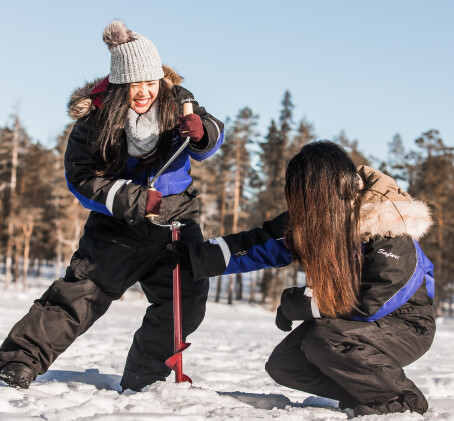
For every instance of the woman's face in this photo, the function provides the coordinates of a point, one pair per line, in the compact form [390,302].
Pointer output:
[142,95]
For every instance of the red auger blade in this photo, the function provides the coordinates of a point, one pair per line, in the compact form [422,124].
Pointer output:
[175,362]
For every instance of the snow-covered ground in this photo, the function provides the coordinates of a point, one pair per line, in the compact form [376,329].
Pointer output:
[225,361]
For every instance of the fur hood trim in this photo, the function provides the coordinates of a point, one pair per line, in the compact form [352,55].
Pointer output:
[388,211]
[81,101]
[391,219]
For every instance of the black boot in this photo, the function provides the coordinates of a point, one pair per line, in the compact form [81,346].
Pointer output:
[409,402]
[137,381]
[366,410]
[17,375]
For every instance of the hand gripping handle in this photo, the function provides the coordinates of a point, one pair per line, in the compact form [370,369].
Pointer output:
[187,109]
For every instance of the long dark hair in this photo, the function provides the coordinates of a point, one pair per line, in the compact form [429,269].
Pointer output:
[108,139]
[322,193]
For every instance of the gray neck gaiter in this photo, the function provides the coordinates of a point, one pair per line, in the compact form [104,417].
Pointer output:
[142,130]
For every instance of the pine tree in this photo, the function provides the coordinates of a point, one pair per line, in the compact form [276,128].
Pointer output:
[243,134]
[5,180]
[396,158]
[279,146]
[351,146]
[66,214]
[206,179]
[432,180]
[17,137]
[269,173]
[224,175]
[33,179]
[285,129]
[304,135]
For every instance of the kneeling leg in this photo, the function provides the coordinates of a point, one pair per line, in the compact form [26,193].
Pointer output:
[371,376]
[288,366]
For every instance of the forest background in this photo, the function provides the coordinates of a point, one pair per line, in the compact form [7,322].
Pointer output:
[241,186]
[279,76]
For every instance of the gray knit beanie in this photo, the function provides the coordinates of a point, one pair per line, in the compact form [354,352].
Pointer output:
[134,58]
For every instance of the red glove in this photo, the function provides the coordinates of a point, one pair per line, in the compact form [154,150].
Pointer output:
[191,125]
[154,201]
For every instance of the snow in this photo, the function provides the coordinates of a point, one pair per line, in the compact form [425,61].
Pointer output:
[225,361]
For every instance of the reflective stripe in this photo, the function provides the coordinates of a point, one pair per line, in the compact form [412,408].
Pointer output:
[217,127]
[225,249]
[314,306]
[113,191]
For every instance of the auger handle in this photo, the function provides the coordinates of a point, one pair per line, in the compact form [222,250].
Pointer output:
[187,109]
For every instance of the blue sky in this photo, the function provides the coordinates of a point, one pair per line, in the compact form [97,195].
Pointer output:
[371,68]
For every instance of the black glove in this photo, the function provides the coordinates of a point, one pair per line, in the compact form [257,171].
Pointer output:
[282,322]
[295,304]
[177,252]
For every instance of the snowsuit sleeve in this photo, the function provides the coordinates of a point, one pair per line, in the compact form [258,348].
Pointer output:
[260,248]
[115,197]
[212,127]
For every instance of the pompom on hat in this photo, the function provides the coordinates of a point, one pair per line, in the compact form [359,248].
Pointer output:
[134,58]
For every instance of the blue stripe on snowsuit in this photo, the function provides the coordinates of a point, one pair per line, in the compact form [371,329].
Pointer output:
[200,156]
[174,180]
[272,253]
[428,268]
[424,269]
[87,203]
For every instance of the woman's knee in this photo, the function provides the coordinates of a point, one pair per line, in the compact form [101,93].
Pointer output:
[81,299]
[279,365]
[293,373]
[274,369]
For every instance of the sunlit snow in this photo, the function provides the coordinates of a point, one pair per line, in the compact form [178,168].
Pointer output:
[225,361]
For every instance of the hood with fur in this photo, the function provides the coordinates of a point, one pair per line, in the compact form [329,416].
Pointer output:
[81,101]
[388,211]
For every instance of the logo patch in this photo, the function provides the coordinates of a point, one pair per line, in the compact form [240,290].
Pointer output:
[240,253]
[388,254]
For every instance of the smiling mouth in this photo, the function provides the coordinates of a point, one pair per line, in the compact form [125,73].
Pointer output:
[142,102]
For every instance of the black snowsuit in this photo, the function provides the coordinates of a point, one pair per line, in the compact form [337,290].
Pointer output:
[120,247]
[359,359]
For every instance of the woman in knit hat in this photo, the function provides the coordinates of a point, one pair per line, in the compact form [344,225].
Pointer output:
[367,307]
[128,126]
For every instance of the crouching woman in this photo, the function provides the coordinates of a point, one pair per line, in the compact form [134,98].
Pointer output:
[367,307]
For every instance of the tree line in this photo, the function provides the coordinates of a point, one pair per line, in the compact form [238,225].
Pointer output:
[241,186]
